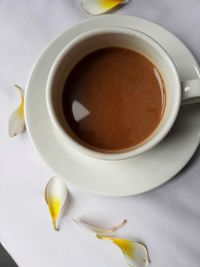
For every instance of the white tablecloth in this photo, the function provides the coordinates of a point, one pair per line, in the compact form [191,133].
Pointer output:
[166,219]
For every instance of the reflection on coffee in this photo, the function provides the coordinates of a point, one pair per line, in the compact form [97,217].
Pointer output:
[113,99]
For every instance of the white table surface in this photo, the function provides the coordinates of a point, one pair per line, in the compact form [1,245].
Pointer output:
[166,219]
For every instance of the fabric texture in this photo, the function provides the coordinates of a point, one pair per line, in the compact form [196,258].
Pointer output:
[165,219]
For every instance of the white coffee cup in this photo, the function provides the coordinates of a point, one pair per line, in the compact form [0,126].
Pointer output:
[177,92]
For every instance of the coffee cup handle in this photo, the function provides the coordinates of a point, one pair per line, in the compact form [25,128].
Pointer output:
[190,91]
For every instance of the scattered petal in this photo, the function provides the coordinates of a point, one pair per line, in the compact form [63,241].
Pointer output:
[135,253]
[97,7]
[97,230]
[16,121]
[55,196]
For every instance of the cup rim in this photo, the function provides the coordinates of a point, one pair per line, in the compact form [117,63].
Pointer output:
[115,155]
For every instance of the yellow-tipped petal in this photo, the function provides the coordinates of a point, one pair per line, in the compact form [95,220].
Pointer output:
[55,196]
[16,120]
[97,7]
[135,253]
[98,230]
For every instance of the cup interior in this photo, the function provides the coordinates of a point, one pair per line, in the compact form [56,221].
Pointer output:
[112,37]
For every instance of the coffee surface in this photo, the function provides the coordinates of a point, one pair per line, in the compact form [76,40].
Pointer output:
[113,99]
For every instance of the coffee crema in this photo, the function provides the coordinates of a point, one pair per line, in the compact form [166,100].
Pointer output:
[113,99]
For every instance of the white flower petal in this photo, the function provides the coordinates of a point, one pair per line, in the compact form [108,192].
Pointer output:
[16,120]
[98,230]
[55,196]
[97,7]
[135,253]
[16,124]
[140,258]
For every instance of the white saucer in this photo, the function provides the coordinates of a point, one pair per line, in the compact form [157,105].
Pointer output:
[114,178]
